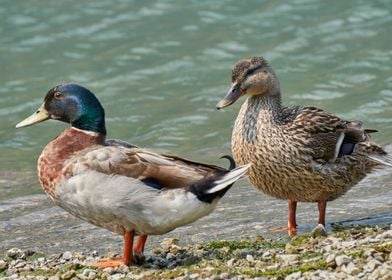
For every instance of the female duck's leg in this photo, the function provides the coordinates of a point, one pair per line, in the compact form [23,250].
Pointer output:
[139,246]
[322,206]
[127,257]
[292,224]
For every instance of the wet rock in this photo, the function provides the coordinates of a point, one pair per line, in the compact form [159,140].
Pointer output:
[342,259]
[190,260]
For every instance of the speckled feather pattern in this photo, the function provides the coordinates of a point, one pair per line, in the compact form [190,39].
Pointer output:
[292,150]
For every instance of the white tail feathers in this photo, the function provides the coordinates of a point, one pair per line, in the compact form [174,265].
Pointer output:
[229,178]
[384,160]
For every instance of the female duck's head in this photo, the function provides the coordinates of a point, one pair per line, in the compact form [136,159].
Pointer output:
[253,77]
[73,104]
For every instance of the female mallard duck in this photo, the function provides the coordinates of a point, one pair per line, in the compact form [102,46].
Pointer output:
[297,153]
[118,186]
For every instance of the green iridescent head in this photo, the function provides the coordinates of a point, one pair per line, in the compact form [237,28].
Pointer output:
[73,104]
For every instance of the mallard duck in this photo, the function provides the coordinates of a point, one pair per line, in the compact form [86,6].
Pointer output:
[116,185]
[297,153]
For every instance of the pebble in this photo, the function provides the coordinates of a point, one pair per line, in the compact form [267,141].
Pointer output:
[319,231]
[250,258]
[67,255]
[340,255]
[3,264]
[15,253]
[230,262]
[288,259]
[341,260]
[350,268]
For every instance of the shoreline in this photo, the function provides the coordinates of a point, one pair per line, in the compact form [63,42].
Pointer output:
[346,253]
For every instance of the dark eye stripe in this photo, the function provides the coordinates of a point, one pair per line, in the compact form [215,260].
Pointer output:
[250,71]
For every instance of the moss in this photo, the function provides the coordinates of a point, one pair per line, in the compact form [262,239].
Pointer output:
[311,255]
[35,256]
[38,272]
[298,240]
[282,272]
[356,254]
[233,245]
[384,247]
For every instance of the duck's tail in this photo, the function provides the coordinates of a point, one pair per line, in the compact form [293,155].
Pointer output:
[208,190]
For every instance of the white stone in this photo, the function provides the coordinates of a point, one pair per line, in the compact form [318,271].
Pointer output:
[3,264]
[249,258]
[350,268]
[230,262]
[288,258]
[341,260]
[67,255]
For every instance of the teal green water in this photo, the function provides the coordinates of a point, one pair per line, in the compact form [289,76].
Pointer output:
[159,68]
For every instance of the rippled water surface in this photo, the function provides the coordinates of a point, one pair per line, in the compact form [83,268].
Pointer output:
[159,68]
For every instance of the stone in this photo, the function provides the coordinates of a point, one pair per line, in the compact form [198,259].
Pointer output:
[350,268]
[3,264]
[330,260]
[319,231]
[15,253]
[88,274]
[194,276]
[371,265]
[68,275]
[250,258]
[168,242]
[288,259]
[116,276]
[67,255]
[294,276]
[342,259]
[230,262]
[266,255]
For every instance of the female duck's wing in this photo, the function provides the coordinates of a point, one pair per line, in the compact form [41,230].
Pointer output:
[326,136]
[155,170]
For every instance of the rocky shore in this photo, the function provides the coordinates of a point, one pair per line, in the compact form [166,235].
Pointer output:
[346,253]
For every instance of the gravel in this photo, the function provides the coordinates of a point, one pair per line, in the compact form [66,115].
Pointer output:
[346,253]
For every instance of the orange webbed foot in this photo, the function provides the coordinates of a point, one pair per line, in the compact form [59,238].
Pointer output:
[110,262]
[278,229]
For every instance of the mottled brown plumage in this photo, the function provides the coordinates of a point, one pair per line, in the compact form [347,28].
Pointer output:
[297,153]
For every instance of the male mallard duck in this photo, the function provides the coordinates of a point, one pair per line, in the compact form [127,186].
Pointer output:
[297,153]
[118,186]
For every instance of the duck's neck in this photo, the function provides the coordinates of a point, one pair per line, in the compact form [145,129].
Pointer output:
[57,152]
[267,106]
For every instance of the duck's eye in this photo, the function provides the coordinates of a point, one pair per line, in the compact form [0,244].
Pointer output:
[58,95]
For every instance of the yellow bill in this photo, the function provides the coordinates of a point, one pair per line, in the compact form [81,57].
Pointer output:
[38,116]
